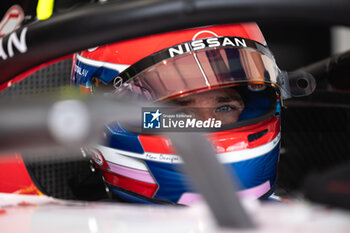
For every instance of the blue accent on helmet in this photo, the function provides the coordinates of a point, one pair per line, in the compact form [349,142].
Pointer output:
[171,180]
[129,197]
[121,139]
[83,73]
[250,173]
[256,171]
[105,74]
[278,108]
[256,103]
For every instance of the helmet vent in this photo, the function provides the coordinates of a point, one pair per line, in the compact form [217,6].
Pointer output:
[256,136]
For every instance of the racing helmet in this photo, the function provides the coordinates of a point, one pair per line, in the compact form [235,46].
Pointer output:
[227,70]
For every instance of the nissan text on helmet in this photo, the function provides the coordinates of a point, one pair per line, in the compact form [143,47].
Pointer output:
[222,76]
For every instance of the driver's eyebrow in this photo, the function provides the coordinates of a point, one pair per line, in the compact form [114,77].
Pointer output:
[183,102]
[227,99]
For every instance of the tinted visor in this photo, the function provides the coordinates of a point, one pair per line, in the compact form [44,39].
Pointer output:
[207,69]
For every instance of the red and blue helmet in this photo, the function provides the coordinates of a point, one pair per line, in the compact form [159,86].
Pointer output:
[186,65]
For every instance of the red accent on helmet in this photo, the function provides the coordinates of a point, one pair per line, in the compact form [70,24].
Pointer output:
[237,139]
[223,141]
[98,159]
[142,188]
[130,51]
[156,144]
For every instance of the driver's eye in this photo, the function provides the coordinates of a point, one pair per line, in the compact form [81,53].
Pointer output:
[225,108]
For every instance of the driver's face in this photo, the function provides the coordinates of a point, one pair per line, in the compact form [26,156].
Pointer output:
[222,104]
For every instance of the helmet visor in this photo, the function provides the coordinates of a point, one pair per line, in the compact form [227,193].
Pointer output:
[207,69]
